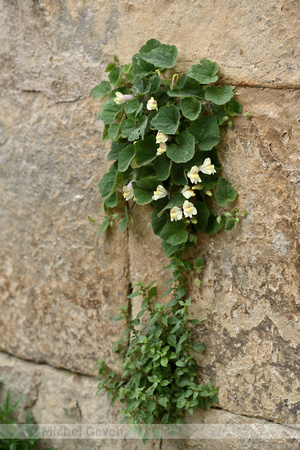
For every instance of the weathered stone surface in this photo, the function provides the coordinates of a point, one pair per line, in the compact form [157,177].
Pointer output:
[61,397]
[248,302]
[60,284]
[248,298]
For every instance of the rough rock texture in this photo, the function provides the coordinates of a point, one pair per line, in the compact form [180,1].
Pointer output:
[60,284]
[71,399]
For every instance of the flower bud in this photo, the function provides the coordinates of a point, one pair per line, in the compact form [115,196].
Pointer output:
[174,81]
[209,193]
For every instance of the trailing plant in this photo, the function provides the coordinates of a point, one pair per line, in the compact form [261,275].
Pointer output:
[159,379]
[164,129]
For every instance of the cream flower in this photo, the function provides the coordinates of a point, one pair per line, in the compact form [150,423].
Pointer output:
[128,193]
[151,104]
[187,192]
[161,149]
[161,137]
[189,209]
[121,98]
[194,175]
[207,167]
[159,193]
[175,213]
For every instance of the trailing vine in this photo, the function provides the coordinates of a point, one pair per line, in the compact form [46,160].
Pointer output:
[164,129]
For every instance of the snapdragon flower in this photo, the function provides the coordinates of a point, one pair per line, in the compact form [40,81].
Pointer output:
[189,209]
[128,193]
[176,213]
[151,104]
[122,98]
[194,175]
[207,167]
[162,148]
[159,193]
[187,192]
[161,137]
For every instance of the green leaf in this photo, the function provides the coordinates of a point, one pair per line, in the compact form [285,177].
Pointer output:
[132,106]
[190,107]
[234,107]
[158,223]
[101,90]
[219,96]
[181,402]
[107,181]
[169,249]
[187,87]
[141,67]
[224,192]
[163,401]
[175,233]
[162,165]
[213,224]
[220,113]
[141,86]
[199,262]
[110,182]
[115,75]
[132,129]
[186,149]
[164,362]
[230,224]
[123,224]
[161,55]
[181,362]
[205,72]
[155,83]
[110,111]
[195,321]
[125,157]
[114,131]
[145,150]
[104,226]
[205,131]
[167,119]
[172,340]
[150,45]
[178,174]
[114,152]
[143,196]
[198,347]
[113,200]
[202,215]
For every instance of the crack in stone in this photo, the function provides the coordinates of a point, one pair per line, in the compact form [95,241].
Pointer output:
[79,409]
[129,288]
[246,416]
[43,363]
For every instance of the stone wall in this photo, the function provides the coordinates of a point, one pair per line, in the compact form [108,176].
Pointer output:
[61,284]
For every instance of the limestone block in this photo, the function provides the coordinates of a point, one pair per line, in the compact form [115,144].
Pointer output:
[248,299]
[60,283]
[60,397]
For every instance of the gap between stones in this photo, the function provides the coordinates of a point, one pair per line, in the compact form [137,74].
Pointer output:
[93,377]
